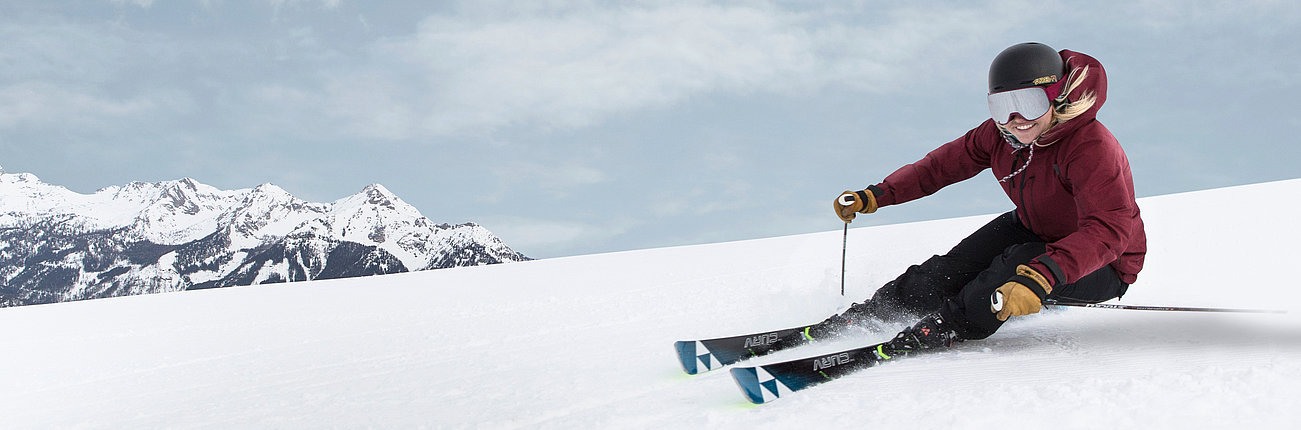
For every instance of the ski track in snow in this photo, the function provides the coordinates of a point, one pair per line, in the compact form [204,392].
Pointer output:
[585,342]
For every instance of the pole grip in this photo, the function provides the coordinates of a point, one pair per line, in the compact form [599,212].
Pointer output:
[847,199]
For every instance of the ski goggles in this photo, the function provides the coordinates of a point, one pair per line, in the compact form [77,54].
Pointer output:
[1030,102]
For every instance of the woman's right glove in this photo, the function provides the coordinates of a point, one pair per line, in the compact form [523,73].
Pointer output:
[850,203]
[1023,294]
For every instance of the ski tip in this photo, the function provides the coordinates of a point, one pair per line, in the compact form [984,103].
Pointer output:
[686,356]
[758,385]
[747,378]
[695,358]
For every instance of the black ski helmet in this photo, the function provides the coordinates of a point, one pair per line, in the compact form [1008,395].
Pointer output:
[1025,65]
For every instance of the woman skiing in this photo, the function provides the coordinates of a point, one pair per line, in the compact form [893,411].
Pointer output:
[1075,234]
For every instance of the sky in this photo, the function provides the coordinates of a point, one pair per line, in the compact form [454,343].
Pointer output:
[579,127]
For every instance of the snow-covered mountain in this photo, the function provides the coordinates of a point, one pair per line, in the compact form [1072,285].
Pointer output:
[59,245]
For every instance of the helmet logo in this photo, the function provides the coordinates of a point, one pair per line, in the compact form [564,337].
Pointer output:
[1045,80]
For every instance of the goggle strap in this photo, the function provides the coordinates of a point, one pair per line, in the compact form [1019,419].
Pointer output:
[1055,90]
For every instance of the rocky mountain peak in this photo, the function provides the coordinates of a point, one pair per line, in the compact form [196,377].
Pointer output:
[176,235]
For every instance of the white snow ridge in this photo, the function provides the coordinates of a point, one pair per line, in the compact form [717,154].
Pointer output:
[184,235]
[586,342]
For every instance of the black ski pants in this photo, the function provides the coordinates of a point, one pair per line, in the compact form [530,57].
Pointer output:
[959,284]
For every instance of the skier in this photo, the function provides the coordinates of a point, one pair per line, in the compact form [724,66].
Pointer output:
[1075,234]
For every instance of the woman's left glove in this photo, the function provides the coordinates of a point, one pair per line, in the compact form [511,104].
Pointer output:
[1023,294]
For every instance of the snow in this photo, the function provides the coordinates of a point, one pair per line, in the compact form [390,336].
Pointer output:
[586,342]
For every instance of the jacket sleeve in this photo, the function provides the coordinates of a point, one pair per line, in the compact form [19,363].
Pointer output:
[951,163]
[1108,216]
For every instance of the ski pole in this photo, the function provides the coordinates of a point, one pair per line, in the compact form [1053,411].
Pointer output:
[845,200]
[844,245]
[1052,302]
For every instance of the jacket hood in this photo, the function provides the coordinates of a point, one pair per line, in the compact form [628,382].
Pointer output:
[1095,82]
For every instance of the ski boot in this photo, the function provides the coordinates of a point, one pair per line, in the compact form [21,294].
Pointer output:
[929,333]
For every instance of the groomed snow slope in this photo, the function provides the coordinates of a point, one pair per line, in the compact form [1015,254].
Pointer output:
[586,342]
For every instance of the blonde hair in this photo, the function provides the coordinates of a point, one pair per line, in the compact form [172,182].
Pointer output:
[1064,110]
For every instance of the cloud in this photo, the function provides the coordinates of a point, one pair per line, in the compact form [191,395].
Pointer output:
[275,4]
[542,237]
[486,69]
[479,68]
[278,4]
[37,104]
[59,51]
[557,180]
[145,4]
[87,77]
[717,197]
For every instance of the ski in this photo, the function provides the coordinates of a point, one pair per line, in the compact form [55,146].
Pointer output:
[700,356]
[765,383]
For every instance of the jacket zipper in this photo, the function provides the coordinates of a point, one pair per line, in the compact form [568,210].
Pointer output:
[1025,206]
[1025,183]
[1016,161]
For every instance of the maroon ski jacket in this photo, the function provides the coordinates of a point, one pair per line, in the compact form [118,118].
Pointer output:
[1077,193]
